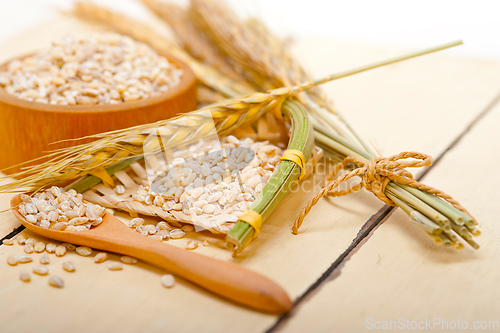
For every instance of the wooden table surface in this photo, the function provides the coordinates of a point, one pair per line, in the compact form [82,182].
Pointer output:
[354,262]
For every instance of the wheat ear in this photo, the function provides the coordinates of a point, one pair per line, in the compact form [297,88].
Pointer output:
[194,41]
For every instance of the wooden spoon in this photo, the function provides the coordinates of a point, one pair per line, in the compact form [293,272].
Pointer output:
[225,279]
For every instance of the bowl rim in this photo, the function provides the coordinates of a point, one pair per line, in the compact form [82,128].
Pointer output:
[187,81]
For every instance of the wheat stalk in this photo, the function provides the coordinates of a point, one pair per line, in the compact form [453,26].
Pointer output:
[193,40]
[264,59]
[70,163]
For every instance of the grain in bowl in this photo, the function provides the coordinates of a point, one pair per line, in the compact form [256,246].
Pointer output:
[91,69]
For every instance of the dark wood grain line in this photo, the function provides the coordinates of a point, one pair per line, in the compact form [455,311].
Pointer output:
[14,232]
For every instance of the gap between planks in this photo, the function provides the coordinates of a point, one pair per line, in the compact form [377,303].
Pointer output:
[368,228]
[14,232]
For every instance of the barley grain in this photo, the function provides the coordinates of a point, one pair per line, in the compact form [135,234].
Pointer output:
[31,218]
[208,209]
[44,259]
[167,280]
[177,233]
[8,242]
[12,260]
[31,241]
[84,251]
[68,266]
[24,276]
[187,228]
[163,226]
[28,249]
[60,250]
[128,260]
[135,222]
[41,270]
[150,229]
[21,239]
[164,234]
[100,257]
[56,281]
[119,189]
[69,247]
[156,237]
[50,248]
[115,266]
[191,245]
[40,247]
[24,259]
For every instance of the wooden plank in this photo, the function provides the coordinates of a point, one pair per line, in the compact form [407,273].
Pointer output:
[135,300]
[399,273]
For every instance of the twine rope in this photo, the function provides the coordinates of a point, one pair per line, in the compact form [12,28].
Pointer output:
[375,175]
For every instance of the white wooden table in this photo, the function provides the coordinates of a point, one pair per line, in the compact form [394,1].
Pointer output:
[341,273]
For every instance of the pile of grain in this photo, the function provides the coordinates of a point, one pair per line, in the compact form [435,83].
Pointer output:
[59,210]
[208,183]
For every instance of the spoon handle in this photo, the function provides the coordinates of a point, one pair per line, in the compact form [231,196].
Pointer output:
[223,278]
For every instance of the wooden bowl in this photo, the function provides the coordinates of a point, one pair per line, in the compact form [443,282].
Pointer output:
[27,128]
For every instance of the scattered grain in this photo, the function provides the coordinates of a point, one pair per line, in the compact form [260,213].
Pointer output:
[24,259]
[68,266]
[31,241]
[41,270]
[177,233]
[50,248]
[28,248]
[60,250]
[12,260]
[21,239]
[40,247]
[56,281]
[115,266]
[100,257]
[84,251]
[24,276]
[8,242]
[135,222]
[44,259]
[119,189]
[69,247]
[128,260]
[167,280]
[191,245]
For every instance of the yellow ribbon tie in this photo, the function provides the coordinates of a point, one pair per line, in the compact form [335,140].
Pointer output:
[254,219]
[297,157]
[103,175]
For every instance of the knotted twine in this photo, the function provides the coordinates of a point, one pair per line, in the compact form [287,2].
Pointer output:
[375,175]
